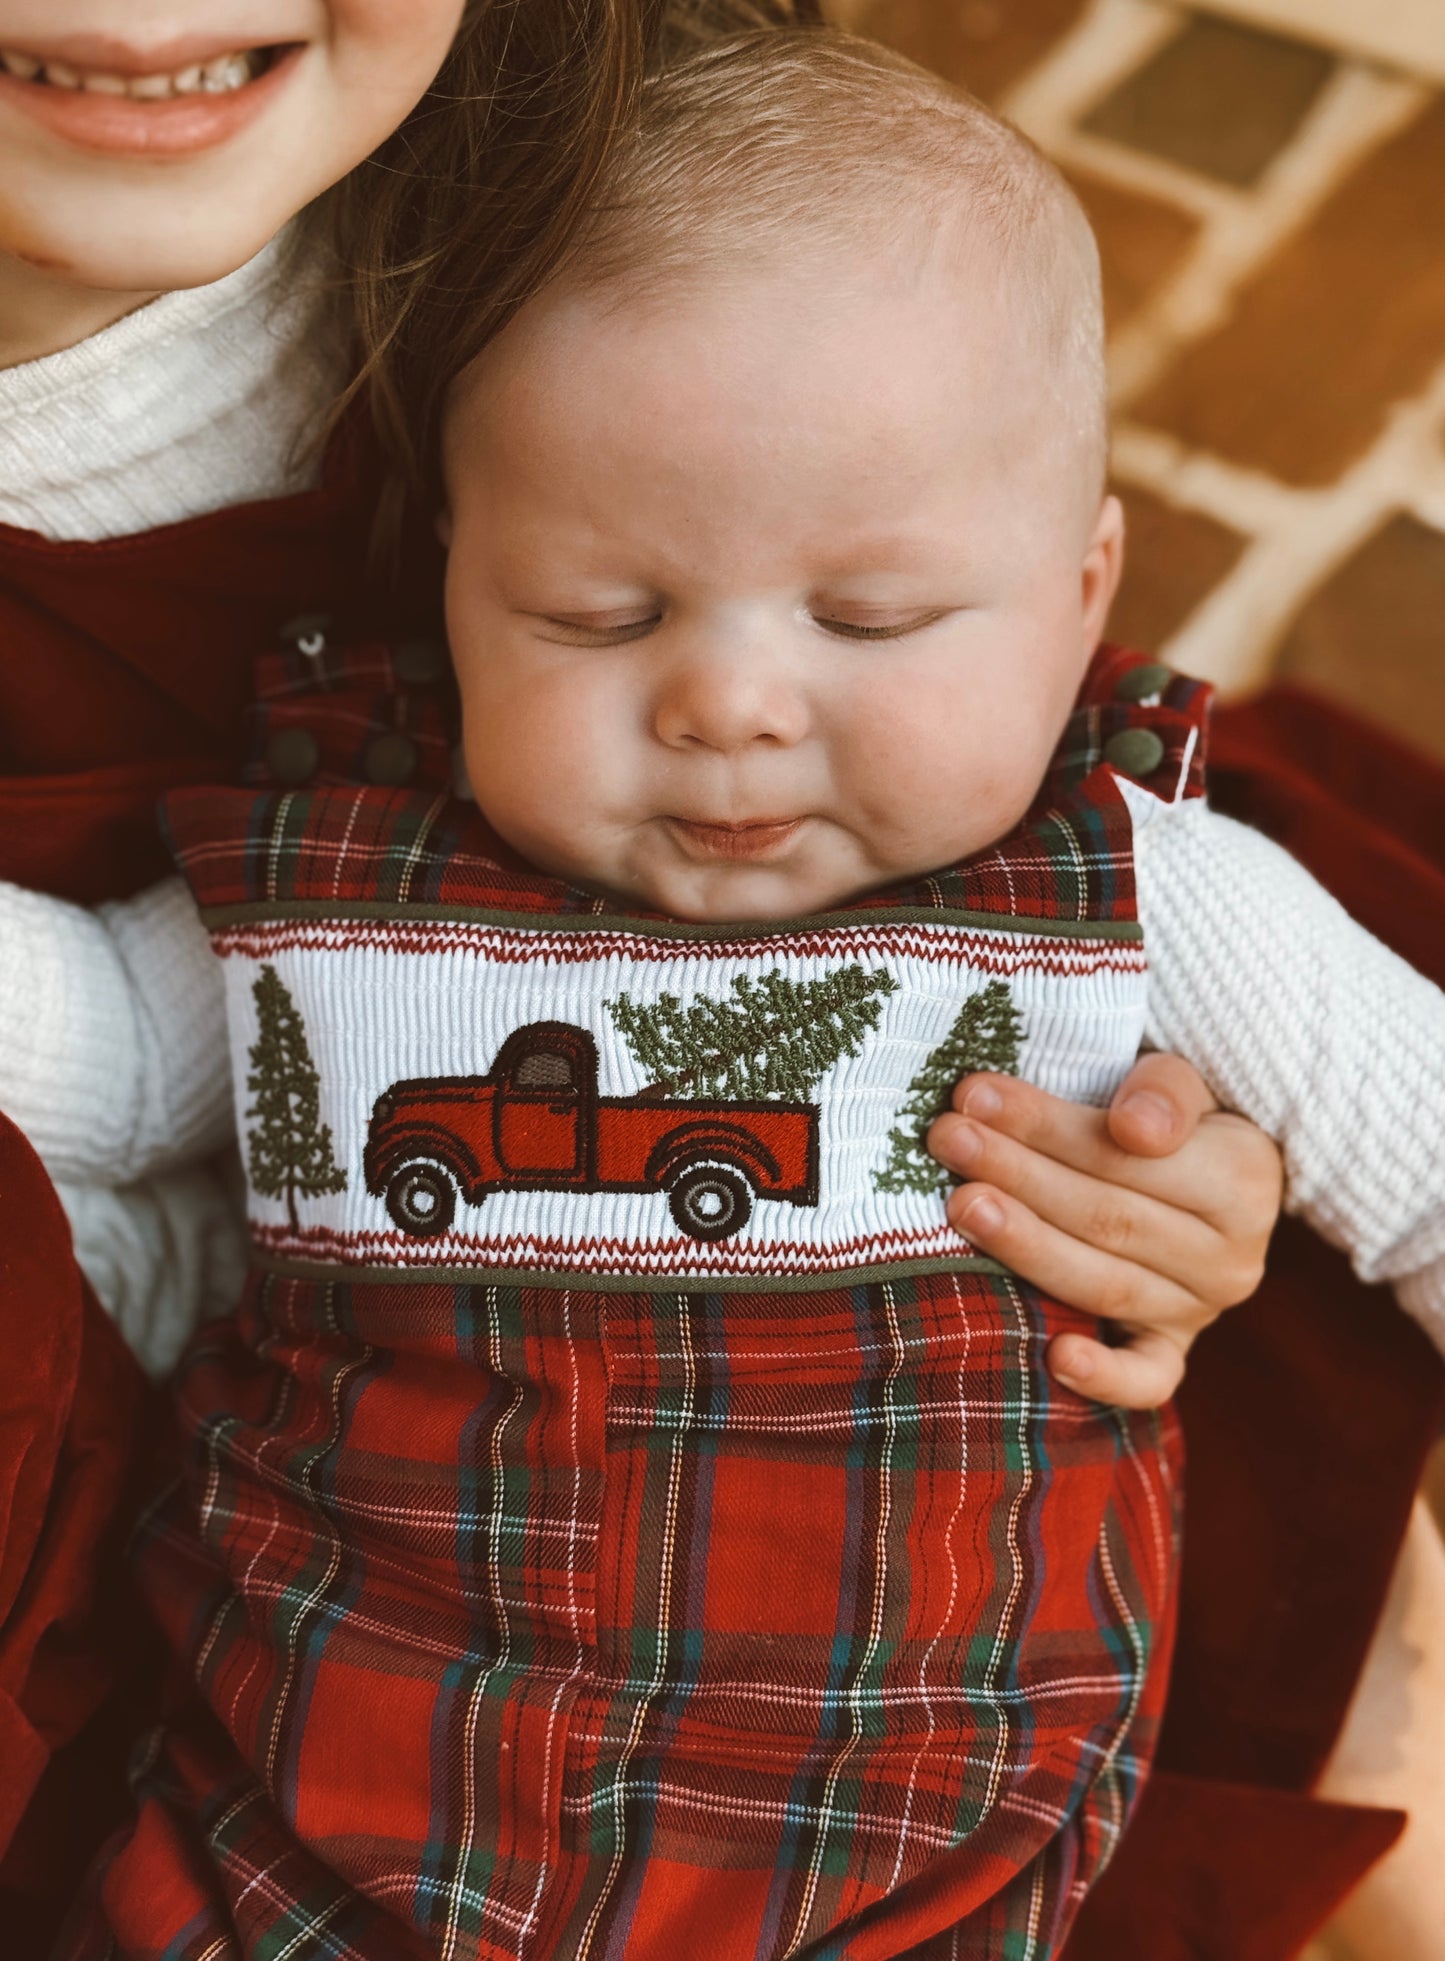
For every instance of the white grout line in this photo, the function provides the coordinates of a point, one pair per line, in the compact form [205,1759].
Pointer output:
[1300,537]
[1245,500]
[1358,110]
[1427,497]
[1106,44]
[1297,538]
[1401,33]
[1156,177]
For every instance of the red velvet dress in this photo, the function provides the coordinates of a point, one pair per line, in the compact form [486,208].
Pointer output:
[126,666]
[1308,1412]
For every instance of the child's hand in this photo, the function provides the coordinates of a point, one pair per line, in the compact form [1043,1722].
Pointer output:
[1154,1213]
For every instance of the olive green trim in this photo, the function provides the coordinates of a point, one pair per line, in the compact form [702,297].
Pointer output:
[859,920]
[618,1283]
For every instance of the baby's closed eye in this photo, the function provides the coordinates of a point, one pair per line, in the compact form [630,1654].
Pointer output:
[876,623]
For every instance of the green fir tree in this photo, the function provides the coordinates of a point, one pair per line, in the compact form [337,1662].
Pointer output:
[986,1035]
[290,1147]
[770,1037]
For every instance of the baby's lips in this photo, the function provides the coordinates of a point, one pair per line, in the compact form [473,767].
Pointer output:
[758,838]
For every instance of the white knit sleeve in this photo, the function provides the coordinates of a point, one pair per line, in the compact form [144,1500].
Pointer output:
[163,1255]
[1301,1020]
[113,1056]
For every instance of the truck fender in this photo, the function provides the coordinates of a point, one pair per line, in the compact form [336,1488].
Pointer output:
[421,1146]
[721,1143]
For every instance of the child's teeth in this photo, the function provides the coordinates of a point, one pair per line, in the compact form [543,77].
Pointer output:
[214,77]
[219,77]
[231,71]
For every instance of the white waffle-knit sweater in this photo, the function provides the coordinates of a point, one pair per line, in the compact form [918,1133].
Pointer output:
[111,1030]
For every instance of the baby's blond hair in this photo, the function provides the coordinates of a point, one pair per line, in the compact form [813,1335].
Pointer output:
[751,141]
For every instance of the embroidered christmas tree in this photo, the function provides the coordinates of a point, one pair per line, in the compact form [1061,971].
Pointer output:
[290,1147]
[770,1037]
[986,1035]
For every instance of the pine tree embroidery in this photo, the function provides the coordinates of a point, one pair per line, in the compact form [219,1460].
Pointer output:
[770,1037]
[986,1035]
[290,1147]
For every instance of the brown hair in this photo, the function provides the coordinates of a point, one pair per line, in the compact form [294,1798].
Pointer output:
[464,212]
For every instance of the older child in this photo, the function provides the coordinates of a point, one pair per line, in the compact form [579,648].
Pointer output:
[614,1409]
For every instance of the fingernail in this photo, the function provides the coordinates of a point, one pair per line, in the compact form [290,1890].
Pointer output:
[1076,1371]
[982,1101]
[981,1215]
[965,1145]
[1151,1111]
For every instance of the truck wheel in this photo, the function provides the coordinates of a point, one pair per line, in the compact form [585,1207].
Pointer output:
[422,1200]
[711,1201]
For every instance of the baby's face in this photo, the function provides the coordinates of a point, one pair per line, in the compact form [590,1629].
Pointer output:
[768,592]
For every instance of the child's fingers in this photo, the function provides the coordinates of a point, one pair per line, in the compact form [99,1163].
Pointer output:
[1096,1283]
[1158,1105]
[1070,1133]
[1110,1218]
[1226,1173]
[1141,1376]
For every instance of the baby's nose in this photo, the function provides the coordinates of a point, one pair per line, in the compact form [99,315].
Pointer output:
[729,699]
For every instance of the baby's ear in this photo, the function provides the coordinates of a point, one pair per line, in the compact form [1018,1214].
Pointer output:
[1102,570]
[444,528]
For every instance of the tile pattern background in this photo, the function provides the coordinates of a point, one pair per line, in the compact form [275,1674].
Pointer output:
[1270,212]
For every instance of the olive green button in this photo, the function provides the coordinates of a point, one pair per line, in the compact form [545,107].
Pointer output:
[1134,752]
[390,759]
[419,663]
[1141,682]
[292,755]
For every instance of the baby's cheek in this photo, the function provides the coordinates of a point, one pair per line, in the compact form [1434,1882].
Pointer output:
[537,756]
[940,785]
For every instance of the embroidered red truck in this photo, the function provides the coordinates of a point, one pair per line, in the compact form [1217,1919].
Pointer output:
[535,1122]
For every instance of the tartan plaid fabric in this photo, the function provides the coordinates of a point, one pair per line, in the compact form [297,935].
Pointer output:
[532,1623]
[334,844]
[634,1625]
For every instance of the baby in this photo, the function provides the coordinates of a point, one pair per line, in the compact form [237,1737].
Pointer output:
[625,1519]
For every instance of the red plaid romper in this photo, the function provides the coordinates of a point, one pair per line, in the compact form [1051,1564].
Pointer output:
[622,1519]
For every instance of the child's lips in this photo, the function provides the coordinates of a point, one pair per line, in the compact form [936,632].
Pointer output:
[178,125]
[762,837]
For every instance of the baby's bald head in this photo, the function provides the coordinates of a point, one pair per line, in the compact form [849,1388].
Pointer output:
[821,150]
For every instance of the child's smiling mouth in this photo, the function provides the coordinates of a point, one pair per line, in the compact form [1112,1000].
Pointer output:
[101,95]
[763,837]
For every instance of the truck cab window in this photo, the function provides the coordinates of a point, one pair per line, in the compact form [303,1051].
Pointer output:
[543,1069]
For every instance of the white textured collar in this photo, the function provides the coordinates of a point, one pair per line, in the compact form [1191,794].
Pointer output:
[200,399]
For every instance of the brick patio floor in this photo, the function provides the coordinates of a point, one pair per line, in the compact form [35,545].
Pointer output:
[1270,212]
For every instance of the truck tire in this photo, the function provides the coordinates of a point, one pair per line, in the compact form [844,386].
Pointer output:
[711,1201]
[422,1200]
